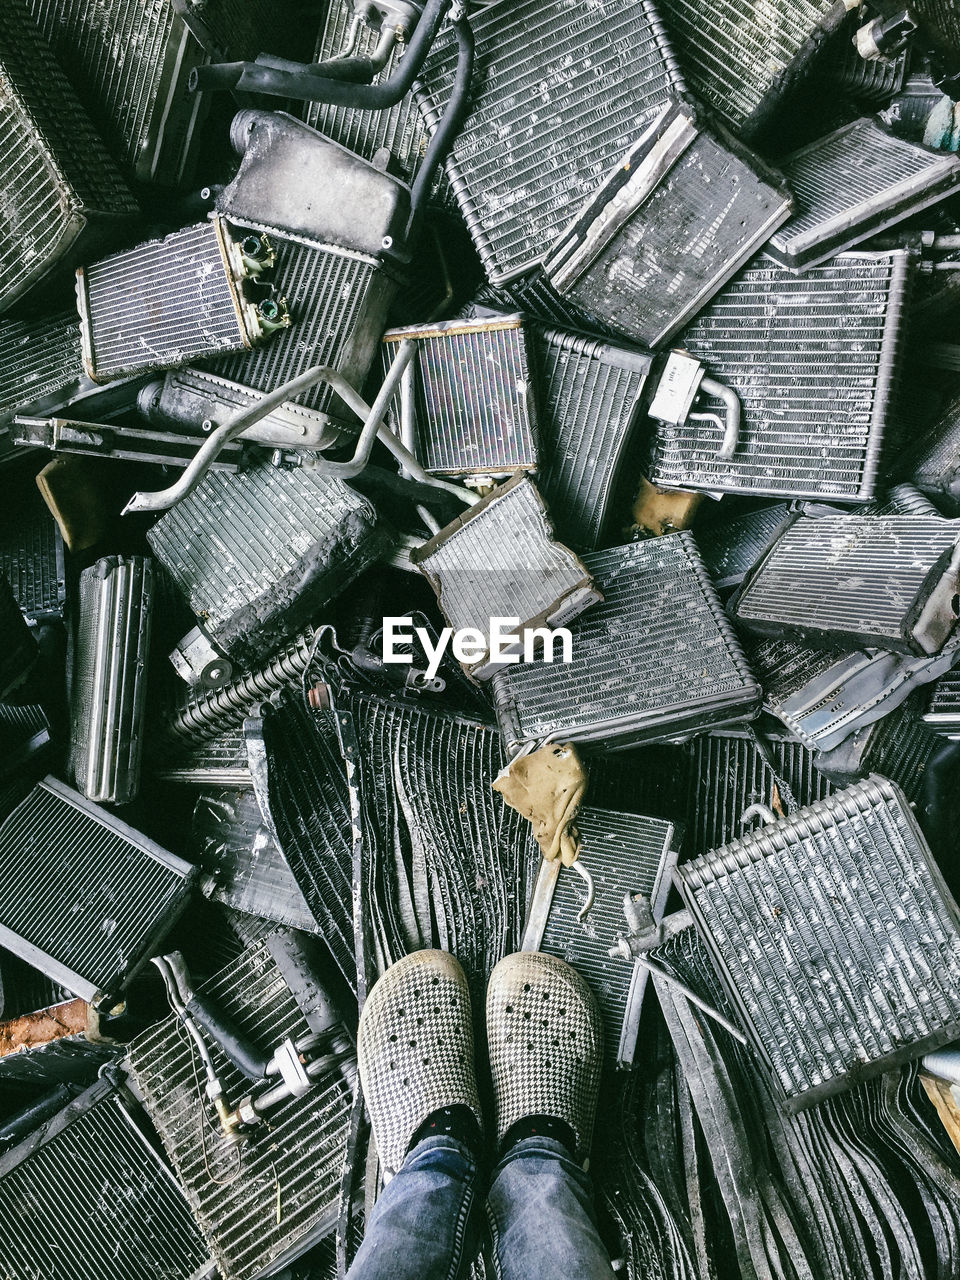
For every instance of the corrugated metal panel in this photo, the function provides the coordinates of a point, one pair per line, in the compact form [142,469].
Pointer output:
[108,693]
[54,169]
[853,183]
[589,397]
[92,1193]
[812,359]
[82,895]
[256,552]
[862,579]
[836,939]
[562,92]
[656,659]
[295,1161]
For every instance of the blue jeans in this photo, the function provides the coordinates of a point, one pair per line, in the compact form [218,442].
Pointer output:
[539,1208]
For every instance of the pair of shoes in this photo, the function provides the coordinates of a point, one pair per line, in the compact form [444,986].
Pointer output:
[415,1047]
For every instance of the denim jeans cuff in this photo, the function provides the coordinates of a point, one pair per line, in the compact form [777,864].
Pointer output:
[543,1147]
[441,1143]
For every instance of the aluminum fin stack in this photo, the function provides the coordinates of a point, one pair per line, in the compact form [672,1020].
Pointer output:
[657,659]
[499,560]
[18,648]
[257,553]
[32,559]
[943,713]
[475,412]
[888,582]
[671,222]
[835,937]
[300,1156]
[61,191]
[561,94]
[854,183]
[168,301]
[733,546]
[625,854]
[83,896]
[89,1186]
[109,679]
[812,359]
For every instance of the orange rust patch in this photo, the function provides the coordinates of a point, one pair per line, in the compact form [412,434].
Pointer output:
[32,1029]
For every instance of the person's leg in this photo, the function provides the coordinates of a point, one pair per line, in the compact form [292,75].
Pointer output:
[545,1040]
[415,1056]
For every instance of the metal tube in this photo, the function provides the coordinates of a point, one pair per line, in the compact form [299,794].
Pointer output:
[731,400]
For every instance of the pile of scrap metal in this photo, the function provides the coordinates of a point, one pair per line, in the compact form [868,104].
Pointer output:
[333,330]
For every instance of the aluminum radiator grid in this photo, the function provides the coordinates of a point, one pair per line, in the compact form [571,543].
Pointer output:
[87,1192]
[899,747]
[499,560]
[310,813]
[296,1162]
[258,552]
[669,224]
[560,94]
[84,897]
[854,183]
[625,853]
[219,761]
[812,359]
[729,772]
[474,397]
[656,659]
[165,302]
[835,937]
[589,394]
[740,59]
[32,560]
[42,362]
[935,469]
[399,129]
[446,862]
[245,869]
[943,713]
[18,648]
[61,188]
[733,546]
[882,581]
[871,83]
[108,694]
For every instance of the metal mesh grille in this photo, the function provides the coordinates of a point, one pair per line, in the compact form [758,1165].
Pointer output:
[82,895]
[852,183]
[338,303]
[400,129]
[835,936]
[252,551]
[475,410]
[657,656]
[501,562]
[862,577]
[109,679]
[32,560]
[96,1191]
[41,358]
[625,853]
[561,93]
[736,55]
[298,1157]
[217,762]
[729,773]
[812,359]
[161,304]
[589,394]
[53,167]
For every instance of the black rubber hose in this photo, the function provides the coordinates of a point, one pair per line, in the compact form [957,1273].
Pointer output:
[354,70]
[447,129]
[305,86]
[234,1044]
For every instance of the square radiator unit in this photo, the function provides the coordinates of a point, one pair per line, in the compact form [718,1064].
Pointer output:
[561,93]
[83,896]
[655,660]
[887,582]
[298,1157]
[836,940]
[625,853]
[89,1191]
[813,360]
[63,195]
[672,220]
[852,184]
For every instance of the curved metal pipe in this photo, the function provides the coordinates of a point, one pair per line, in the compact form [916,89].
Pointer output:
[587,878]
[731,400]
[758,811]
[305,85]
